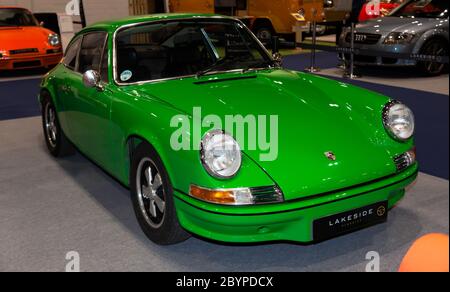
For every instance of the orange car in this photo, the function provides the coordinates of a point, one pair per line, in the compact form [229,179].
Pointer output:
[24,43]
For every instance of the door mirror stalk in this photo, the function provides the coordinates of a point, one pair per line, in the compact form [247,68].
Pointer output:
[276,51]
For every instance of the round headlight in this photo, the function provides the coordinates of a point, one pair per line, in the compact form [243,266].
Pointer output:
[399,120]
[53,40]
[221,155]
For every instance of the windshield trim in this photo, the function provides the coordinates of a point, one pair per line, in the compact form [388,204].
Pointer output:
[114,68]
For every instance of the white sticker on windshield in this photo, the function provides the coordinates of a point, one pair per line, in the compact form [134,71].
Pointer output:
[126,75]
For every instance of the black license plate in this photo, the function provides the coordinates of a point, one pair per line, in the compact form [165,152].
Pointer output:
[332,226]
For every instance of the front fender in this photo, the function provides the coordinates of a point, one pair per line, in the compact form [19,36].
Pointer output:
[149,119]
[428,35]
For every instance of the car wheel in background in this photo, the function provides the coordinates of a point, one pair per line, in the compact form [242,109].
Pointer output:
[264,34]
[55,139]
[434,48]
[152,197]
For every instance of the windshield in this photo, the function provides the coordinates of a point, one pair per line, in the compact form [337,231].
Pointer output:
[184,48]
[423,9]
[16,17]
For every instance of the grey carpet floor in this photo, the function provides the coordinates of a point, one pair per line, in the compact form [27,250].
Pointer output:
[49,207]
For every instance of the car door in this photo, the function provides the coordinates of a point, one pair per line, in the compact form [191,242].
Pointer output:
[88,109]
[62,82]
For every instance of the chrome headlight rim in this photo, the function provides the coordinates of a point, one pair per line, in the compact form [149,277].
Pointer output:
[388,126]
[54,40]
[206,138]
[4,54]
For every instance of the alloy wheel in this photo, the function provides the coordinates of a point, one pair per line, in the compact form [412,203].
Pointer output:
[435,49]
[50,124]
[150,192]
[264,34]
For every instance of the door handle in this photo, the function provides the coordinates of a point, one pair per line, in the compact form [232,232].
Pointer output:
[65,88]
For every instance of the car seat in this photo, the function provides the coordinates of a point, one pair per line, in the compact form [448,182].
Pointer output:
[128,60]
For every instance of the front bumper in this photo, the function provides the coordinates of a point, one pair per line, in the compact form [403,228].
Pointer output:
[364,60]
[384,53]
[30,61]
[289,221]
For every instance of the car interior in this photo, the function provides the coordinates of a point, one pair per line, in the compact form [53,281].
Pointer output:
[91,52]
[173,51]
[152,56]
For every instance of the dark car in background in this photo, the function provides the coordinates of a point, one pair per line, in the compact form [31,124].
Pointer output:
[415,27]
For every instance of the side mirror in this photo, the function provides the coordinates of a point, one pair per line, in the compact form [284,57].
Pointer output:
[91,79]
[278,58]
[276,51]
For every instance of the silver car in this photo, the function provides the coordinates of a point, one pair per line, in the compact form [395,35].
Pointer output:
[415,27]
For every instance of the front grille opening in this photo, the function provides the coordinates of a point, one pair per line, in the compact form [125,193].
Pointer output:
[363,38]
[362,59]
[389,61]
[23,51]
[54,51]
[18,65]
[271,194]
[405,160]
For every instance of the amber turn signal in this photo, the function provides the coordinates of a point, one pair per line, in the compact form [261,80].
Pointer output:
[242,196]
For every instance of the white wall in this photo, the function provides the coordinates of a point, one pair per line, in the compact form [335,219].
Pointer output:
[38,5]
[96,10]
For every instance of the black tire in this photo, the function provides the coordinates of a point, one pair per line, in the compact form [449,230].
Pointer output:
[264,34]
[434,47]
[162,227]
[57,144]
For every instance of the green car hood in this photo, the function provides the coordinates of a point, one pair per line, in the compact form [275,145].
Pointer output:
[315,115]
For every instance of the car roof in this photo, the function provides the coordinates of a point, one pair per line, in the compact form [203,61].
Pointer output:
[13,7]
[113,25]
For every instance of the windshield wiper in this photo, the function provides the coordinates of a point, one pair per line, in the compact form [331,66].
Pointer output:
[218,63]
[226,61]
[260,65]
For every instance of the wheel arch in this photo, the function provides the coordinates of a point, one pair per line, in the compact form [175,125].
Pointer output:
[133,141]
[262,22]
[48,89]
[430,36]
[42,93]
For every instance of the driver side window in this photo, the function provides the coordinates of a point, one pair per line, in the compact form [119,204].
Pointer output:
[91,52]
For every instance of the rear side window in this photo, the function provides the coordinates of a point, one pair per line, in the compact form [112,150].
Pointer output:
[70,60]
[91,52]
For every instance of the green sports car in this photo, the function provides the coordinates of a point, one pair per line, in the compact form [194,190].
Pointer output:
[214,138]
